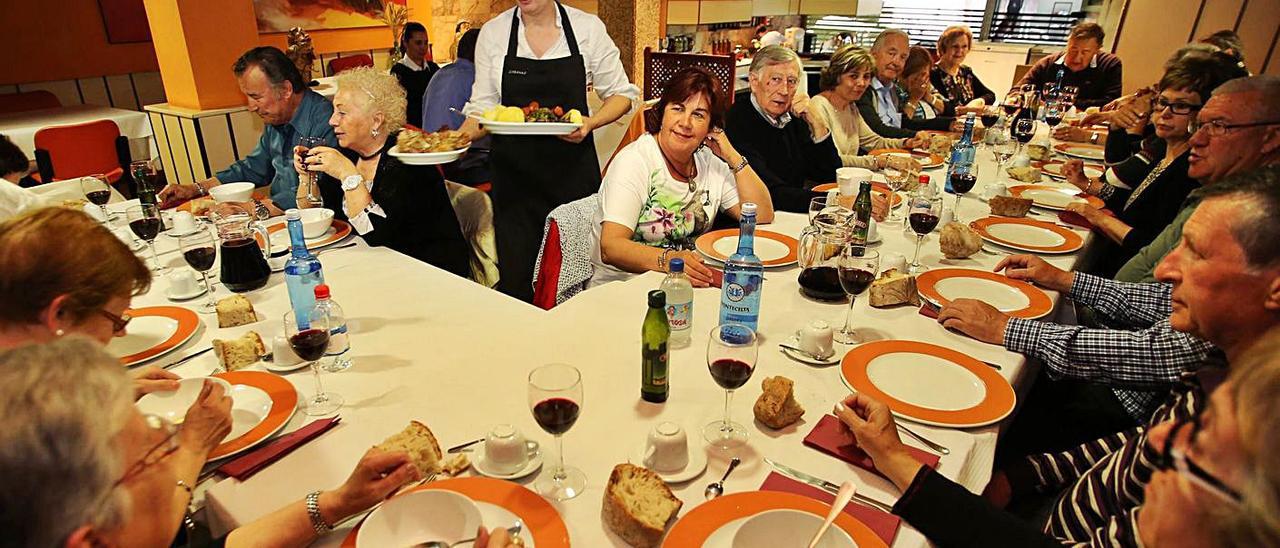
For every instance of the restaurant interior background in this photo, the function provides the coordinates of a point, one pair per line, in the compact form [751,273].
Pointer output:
[182,79]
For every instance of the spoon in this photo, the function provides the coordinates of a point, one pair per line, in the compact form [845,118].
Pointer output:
[806,353]
[514,531]
[842,499]
[716,489]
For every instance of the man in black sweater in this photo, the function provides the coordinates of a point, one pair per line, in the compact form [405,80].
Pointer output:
[1083,64]
[787,145]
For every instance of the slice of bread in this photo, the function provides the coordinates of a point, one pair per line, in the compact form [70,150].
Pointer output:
[638,505]
[777,406]
[893,288]
[235,311]
[239,353]
[417,440]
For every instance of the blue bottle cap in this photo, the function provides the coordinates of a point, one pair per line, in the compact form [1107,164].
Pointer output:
[677,265]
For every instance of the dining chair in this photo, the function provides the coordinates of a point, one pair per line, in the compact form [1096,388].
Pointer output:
[563,268]
[660,66]
[66,152]
[28,100]
[349,62]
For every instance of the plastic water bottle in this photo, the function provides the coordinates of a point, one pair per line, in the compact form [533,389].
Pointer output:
[743,276]
[679,304]
[963,151]
[339,344]
[302,273]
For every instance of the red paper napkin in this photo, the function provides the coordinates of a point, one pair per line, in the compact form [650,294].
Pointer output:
[834,438]
[928,310]
[884,525]
[717,276]
[250,463]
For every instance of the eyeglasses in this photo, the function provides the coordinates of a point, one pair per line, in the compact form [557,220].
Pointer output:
[1218,128]
[1175,107]
[776,81]
[1173,458]
[158,452]
[118,323]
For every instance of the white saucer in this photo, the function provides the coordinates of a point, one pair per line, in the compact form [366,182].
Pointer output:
[479,464]
[276,368]
[835,358]
[200,290]
[172,232]
[697,464]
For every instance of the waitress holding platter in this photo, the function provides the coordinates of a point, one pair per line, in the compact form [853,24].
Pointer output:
[542,51]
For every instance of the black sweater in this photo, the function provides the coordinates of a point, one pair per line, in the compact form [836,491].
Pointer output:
[787,159]
[419,222]
[1149,214]
[949,515]
[414,84]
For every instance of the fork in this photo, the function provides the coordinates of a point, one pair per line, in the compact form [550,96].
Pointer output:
[514,531]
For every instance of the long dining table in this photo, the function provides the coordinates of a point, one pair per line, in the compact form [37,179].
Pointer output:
[433,347]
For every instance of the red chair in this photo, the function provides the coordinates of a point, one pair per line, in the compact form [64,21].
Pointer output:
[66,152]
[349,62]
[28,100]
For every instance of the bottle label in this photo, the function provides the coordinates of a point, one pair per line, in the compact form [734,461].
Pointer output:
[654,366]
[680,315]
[735,292]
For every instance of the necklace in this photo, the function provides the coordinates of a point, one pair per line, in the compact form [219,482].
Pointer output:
[688,178]
[371,156]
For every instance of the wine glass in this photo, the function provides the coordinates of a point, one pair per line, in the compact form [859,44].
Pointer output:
[926,210]
[308,335]
[1012,102]
[818,208]
[1024,129]
[555,397]
[144,221]
[97,190]
[990,117]
[200,249]
[962,179]
[857,268]
[144,176]
[731,358]
[895,178]
[1003,152]
[307,143]
[1053,112]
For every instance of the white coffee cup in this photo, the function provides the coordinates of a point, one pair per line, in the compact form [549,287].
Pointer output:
[893,260]
[281,353]
[815,338]
[668,448]
[849,178]
[505,451]
[184,222]
[182,282]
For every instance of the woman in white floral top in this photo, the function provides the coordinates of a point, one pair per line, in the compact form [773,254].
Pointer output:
[666,188]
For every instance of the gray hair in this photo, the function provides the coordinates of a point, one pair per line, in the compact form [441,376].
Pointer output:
[773,55]
[885,35]
[1256,226]
[378,92]
[64,403]
[1267,108]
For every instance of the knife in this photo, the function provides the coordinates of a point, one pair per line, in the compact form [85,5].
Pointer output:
[462,446]
[184,360]
[827,486]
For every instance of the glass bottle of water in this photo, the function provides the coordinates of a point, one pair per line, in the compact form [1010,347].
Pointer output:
[743,276]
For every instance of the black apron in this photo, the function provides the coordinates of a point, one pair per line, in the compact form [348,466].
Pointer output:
[534,174]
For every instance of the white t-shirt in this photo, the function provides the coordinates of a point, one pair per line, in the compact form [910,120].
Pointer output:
[639,193]
[15,199]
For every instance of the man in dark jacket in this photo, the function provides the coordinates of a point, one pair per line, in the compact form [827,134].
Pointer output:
[1083,65]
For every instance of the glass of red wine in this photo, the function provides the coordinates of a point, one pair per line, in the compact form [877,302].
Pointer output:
[307,143]
[926,209]
[857,267]
[200,249]
[98,191]
[731,358]
[1053,112]
[963,179]
[555,397]
[308,335]
[144,221]
[990,117]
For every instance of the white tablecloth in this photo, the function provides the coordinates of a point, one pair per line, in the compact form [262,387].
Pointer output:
[21,127]
[443,350]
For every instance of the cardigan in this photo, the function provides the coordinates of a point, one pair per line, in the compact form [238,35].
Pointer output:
[850,133]
[958,90]
[1151,212]
[786,158]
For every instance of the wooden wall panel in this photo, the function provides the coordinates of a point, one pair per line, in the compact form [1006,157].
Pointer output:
[216,131]
[94,91]
[1217,15]
[122,93]
[1273,63]
[1153,29]
[66,90]
[1257,29]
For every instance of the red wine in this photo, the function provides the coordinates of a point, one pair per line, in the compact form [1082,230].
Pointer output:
[243,268]
[556,415]
[200,258]
[98,197]
[1011,109]
[146,228]
[963,182]
[1052,120]
[729,373]
[821,283]
[310,344]
[856,280]
[990,120]
[923,223]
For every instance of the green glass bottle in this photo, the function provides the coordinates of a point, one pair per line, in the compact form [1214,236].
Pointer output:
[653,350]
[861,218]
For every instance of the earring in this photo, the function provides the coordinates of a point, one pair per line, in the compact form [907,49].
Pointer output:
[375,132]
[59,332]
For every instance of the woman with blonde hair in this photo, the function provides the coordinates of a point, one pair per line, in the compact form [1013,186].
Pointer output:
[843,81]
[389,203]
[957,83]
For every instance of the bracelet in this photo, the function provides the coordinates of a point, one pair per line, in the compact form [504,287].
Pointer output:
[1093,138]
[313,511]
[201,188]
[662,259]
[741,166]
[185,487]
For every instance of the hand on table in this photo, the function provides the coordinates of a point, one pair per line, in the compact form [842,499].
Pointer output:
[1073,134]
[499,538]
[588,124]
[699,274]
[153,379]
[873,426]
[1073,172]
[1030,268]
[1095,118]
[975,319]
[208,420]
[174,194]
[913,143]
[377,476]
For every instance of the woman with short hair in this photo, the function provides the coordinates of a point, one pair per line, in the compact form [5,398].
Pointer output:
[389,203]
[843,81]
[957,83]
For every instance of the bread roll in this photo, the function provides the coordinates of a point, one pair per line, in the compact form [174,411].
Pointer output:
[417,440]
[235,311]
[1026,174]
[893,288]
[958,241]
[1009,206]
[239,353]
[777,406]
[638,505]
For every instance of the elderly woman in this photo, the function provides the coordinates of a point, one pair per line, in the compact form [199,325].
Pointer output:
[920,102]
[957,83]
[666,188]
[415,69]
[1144,211]
[81,467]
[843,81]
[1216,484]
[389,203]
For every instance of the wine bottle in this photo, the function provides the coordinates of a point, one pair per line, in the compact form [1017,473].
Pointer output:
[653,350]
[861,218]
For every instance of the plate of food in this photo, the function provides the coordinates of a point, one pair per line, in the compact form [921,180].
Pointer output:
[419,148]
[927,159]
[531,119]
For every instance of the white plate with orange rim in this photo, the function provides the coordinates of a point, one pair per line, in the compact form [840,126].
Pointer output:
[1054,197]
[1028,235]
[259,419]
[279,234]
[773,249]
[153,332]
[1083,151]
[928,160]
[928,383]
[714,523]
[1053,168]
[1016,298]
[876,188]
[426,158]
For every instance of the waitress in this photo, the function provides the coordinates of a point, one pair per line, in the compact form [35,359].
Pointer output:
[553,54]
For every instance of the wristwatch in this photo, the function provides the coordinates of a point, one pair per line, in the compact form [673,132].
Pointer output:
[313,511]
[741,166]
[1093,137]
[351,182]
[260,210]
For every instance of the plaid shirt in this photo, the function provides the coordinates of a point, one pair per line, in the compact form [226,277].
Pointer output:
[1140,364]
